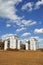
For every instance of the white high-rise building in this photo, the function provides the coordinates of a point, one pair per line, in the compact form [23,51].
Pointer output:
[32,44]
[11,41]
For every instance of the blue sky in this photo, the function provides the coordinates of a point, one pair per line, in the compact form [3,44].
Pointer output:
[23,18]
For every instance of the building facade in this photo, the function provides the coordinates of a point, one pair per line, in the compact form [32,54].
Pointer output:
[11,41]
[32,44]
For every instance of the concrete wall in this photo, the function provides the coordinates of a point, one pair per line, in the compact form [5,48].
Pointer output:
[26,46]
[5,45]
[33,45]
[14,43]
[18,44]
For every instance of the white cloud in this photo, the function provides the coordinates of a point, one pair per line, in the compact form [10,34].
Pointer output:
[8,25]
[23,23]
[26,34]
[36,37]
[28,22]
[8,9]
[21,29]
[33,23]
[27,5]
[6,36]
[38,3]
[32,6]
[38,30]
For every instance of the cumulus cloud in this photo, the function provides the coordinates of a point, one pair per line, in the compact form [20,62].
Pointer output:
[6,36]
[26,34]
[8,25]
[38,30]
[32,6]
[8,9]
[28,22]
[36,37]
[23,23]
[38,3]
[27,5]
[21,29]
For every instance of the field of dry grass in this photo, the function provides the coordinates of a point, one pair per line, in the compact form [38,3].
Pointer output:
[21,58]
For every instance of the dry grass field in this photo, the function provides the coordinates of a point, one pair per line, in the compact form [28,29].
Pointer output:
[21,57]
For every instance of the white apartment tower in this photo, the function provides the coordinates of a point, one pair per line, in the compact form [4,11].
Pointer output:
[32,44]
[11,41]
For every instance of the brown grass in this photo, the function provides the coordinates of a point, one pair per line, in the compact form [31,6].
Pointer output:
[21,58]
